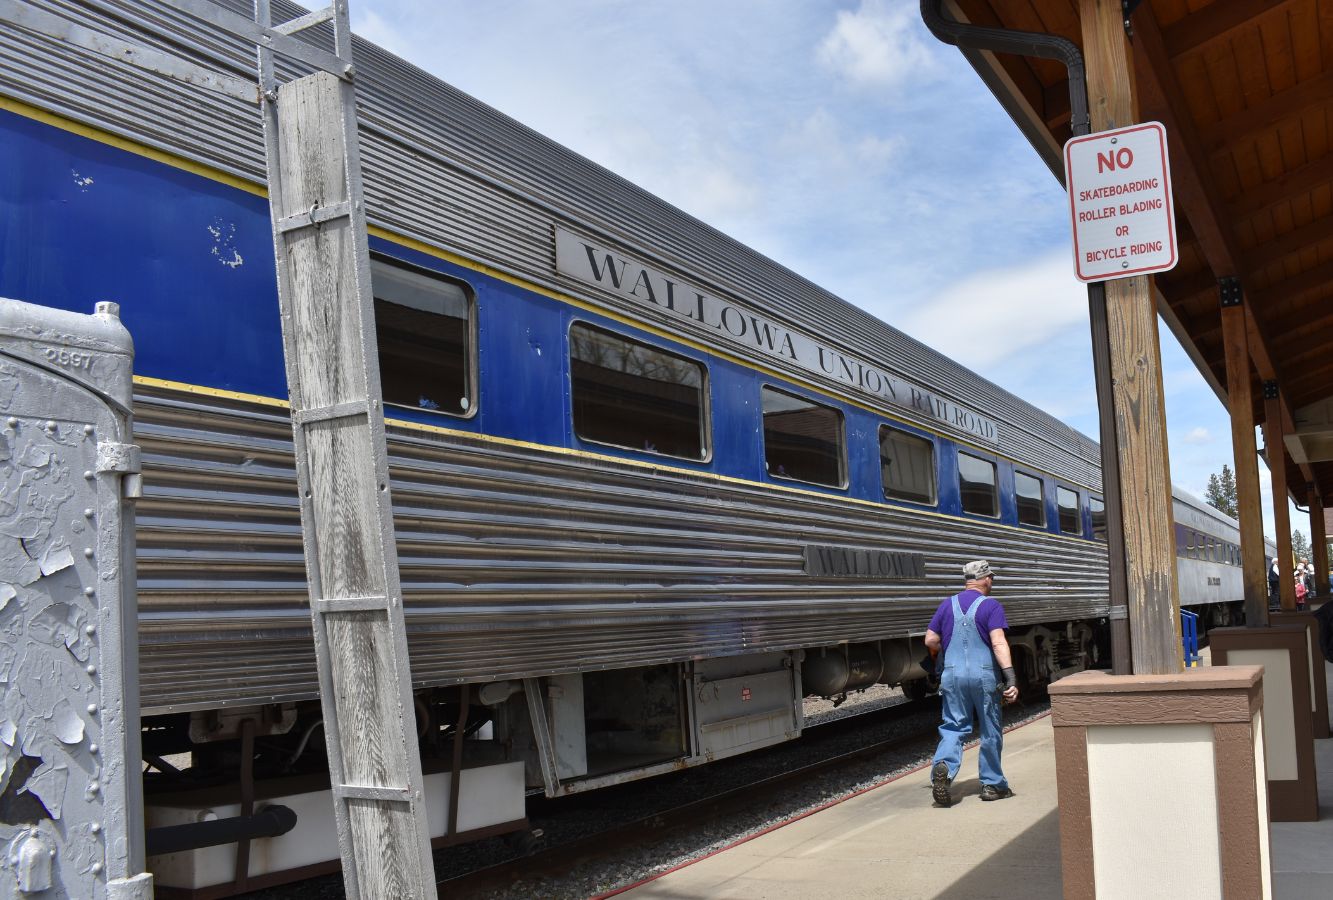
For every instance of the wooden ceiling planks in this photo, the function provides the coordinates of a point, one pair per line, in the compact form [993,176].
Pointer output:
[1248,88]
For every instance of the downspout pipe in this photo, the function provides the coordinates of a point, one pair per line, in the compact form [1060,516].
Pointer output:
[1063,50]
[1019,43]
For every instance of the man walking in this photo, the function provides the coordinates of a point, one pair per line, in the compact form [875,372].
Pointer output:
[968,630]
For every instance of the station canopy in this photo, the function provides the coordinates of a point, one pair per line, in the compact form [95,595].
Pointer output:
[1245,90]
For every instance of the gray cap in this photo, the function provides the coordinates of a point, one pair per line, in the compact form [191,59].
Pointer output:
[977,570]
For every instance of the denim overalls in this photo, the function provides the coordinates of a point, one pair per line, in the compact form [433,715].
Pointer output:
[969,682]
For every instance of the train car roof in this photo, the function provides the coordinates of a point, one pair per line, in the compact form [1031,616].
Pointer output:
[443,168]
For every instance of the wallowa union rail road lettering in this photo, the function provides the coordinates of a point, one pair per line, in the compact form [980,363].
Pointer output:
[589,262]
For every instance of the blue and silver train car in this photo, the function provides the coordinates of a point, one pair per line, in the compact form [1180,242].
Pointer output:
[672,482]
[1208,561]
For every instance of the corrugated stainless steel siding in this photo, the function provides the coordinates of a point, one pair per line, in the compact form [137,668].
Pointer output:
[519,561]
[448,170]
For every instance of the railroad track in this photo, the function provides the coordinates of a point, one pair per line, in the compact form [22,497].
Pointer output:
[557,861]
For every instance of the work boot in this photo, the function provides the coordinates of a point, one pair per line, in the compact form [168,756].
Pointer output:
[939,784]
[995,792]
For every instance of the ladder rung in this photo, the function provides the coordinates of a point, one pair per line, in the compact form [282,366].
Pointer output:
[359,792]
[351,604]
[316,215]
[309,20]
[336,411]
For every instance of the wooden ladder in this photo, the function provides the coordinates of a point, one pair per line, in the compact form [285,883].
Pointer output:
[356,602]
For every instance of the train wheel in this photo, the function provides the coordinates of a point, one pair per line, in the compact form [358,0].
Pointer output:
[916,689]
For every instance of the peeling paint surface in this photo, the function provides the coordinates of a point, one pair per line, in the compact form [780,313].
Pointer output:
[50,794]
[224,243]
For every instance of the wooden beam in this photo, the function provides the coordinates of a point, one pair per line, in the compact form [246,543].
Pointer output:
[1292,102]
[1276,448]
[1055,104]
[1287,186]
[1294,241]
[1215,22]
[1161,98]
[1318,278]
[1136,373]
[1254,576]
[1310,384]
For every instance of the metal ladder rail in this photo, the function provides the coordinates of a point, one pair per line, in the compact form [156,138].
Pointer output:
[328,327]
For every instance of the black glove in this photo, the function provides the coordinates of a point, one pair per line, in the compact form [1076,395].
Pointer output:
[932,677]
[1010,679]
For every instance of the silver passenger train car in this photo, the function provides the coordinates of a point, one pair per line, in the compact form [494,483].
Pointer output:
[651,488]
[1208,561]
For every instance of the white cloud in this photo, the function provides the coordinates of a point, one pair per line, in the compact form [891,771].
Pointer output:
[878,46]
[1198,435]
[998,314]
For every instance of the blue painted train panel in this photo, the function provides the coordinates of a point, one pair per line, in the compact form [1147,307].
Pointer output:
[190,261]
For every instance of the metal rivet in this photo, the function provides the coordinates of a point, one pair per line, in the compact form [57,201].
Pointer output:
[12,421]
[97,868]
[92,670]
[50,425]
[92,709]
[88,430]
[1125,264]
[89,474]
[93,787]
[88,552]
[90,629]
[88,513]
[1114,140]
[92,748]
[88,591]
[95,827]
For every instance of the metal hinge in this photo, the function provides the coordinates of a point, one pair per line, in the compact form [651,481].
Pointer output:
[122,458]
[1230,292]
[1127,8]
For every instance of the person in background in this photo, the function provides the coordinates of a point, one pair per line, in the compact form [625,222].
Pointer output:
[968,630]
[1301,591]
[1308,577]
[1274,577]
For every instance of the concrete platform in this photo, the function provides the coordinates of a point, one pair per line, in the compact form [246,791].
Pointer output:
[891,842]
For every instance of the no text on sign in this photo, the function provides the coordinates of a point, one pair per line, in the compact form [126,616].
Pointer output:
[1120,202]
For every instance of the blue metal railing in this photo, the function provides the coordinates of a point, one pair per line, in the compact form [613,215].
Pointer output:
[1189,638]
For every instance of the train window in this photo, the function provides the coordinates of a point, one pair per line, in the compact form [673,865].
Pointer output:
[906,466]
[1031,503]
[976,486]
[636,396]
[1067,501]
[423,330]
[802,440]
[1097,508]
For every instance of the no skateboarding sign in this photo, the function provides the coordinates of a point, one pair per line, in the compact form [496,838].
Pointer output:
[1120,201]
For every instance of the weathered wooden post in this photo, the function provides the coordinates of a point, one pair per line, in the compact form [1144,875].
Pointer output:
[1276,448]
[1240,396]
[1138,754]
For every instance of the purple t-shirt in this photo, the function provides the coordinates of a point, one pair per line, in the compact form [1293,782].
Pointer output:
[988,618]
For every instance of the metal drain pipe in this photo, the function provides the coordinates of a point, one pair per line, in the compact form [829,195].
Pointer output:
[1052,46]
[270,821]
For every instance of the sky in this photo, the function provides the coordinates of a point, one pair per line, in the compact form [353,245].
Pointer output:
[839,139]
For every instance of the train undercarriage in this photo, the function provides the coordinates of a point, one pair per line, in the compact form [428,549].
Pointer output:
[485,748]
